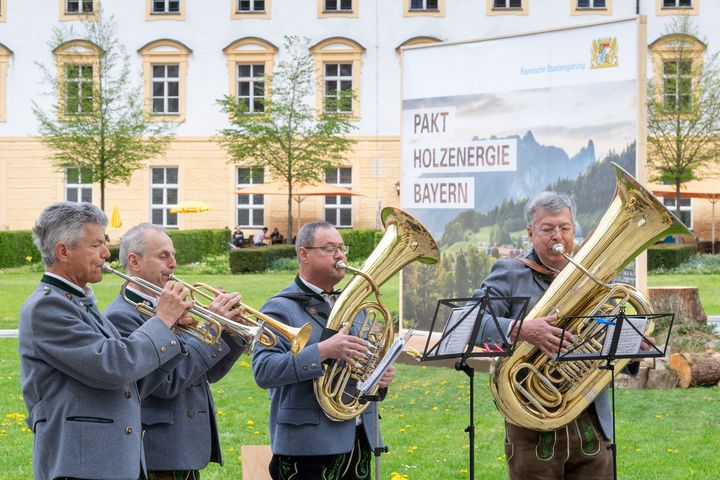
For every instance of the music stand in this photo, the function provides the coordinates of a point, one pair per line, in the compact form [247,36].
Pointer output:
[621,337]
[458,340]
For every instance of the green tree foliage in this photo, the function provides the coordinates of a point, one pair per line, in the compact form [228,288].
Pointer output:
[291,139]
[102,130]
[683,110]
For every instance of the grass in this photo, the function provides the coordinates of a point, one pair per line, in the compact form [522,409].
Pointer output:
[664,434]
[708,286]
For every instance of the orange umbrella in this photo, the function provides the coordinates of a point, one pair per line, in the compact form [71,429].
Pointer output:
[708,189]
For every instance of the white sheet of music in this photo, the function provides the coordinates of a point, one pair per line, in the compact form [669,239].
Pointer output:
[456,342]
[630,339]
[386,362]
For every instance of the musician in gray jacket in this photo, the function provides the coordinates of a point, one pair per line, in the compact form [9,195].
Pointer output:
[181,435]
[78,374]
[306,444]
[579,450]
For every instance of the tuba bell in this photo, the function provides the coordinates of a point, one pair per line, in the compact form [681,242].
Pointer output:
[530,389]
[405,240]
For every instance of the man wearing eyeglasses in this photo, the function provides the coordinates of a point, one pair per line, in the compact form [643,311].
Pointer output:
[306,444]
[581,448]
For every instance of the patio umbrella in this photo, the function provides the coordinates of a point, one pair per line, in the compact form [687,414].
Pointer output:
[708,189]
[115,221]
[190,206]
[300,191]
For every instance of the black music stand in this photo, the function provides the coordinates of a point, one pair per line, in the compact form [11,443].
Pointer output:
[621,336]
[458,340]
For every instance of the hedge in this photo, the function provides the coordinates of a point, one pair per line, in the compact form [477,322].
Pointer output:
[258,259]
[194,245]
[669,255]
[362,242]
[16,247]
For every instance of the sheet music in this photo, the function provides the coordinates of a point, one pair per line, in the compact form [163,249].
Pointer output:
[392,354]
[630,339]
[456,341]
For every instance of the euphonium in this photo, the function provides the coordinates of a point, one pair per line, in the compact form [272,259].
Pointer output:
[530,389]
[405,240]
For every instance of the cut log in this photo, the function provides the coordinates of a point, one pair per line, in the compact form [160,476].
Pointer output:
[696,369]
[661,378]
[684,302]
[623,380]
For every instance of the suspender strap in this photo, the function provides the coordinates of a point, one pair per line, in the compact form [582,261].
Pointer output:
[536,266]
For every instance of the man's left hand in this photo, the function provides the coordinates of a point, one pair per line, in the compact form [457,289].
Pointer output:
[387,377]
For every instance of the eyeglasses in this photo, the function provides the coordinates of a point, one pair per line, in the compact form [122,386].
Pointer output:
[331,249]
[547,231]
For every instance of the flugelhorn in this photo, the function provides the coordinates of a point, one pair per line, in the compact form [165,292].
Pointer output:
[297,336]
[207,331]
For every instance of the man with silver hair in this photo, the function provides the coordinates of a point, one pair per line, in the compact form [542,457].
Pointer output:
[581,449]
[181,435]
[78,374]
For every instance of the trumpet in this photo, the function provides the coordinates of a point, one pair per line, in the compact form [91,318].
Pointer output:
[297,336]
[208,331]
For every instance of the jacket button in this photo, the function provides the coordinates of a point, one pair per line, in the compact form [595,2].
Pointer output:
[162,349]
[128,430]
[220,348]
[313,365]
[214,354]
[128,394]
[173,342]
[191,413]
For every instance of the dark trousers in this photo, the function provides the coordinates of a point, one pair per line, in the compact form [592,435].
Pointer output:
[353,465]
[578,451]
[174,475]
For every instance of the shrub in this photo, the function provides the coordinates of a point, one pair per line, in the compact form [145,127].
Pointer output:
[258,259]
[669,255]
[194,245]
[16,247]
[361,241]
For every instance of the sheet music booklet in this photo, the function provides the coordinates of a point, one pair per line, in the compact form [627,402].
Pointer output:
[386,362]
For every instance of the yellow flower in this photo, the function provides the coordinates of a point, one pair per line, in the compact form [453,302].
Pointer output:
[250,423]
[435,409]
[28,258]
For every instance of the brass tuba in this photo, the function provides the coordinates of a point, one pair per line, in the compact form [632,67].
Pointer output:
[531,390]
[405,240]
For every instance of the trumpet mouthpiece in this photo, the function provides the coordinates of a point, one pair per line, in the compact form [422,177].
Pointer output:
[558,249]
[106,268]
[340,265]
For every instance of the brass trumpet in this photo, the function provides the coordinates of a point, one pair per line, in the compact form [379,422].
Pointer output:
[214,324]
[298,336]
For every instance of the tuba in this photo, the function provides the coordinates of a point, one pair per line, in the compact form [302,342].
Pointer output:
[530,389]
[405,240]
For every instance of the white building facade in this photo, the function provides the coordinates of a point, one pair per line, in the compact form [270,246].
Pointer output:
[189,53]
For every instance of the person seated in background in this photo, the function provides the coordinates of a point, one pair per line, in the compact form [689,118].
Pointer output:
[237,238]
[259,239]
[276,236]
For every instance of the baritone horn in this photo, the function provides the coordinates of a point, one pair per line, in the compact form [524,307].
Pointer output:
[297,336]
[405,240]
[208,330]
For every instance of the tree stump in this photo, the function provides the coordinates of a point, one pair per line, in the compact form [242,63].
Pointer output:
[684,302]
[624,380]
[696,369]
[661,378]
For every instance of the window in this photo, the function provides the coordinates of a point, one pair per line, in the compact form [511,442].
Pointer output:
[78,9]
[2,11]
[249,9]
[591,4]
[164,10]
[338,209]
[337,8]
[430,8]
[338,88]
[77,65]
[164,196]
[251,87]
[165,65]
[338,61]
[165,89]
[5,54]
[78,184]
[78,89]
[507,7]
[685,209]
[677,86]
[248,61]
[250,208]
[671,7]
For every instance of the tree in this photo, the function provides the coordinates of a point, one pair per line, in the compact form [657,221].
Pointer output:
[97,122]
[288,137]
[683,109]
